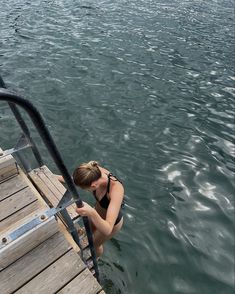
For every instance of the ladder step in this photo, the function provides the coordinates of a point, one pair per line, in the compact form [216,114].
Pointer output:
[50,187]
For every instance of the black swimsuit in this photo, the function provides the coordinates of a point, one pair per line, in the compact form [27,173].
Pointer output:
[104,202]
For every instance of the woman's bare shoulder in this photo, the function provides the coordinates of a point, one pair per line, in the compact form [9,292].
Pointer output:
[116,187]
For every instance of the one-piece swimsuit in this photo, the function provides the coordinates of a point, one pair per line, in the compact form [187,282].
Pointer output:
[104,202]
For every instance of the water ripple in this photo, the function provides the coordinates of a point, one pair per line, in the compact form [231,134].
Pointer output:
[147,89]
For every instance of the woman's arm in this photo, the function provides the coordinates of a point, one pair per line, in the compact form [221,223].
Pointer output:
[101,225]
[105,226]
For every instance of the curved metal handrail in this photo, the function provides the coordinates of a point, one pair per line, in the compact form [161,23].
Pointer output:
[24,127]
[6,95]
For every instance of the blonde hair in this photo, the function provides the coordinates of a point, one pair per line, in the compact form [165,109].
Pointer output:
[86,173]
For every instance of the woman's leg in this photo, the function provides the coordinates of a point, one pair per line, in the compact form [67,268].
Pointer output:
[100,238]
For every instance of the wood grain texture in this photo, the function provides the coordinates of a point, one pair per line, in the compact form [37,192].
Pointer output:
[8,167]
[11,186]
[6,161]
[15,202]
[17,248]
[19,215]
[8,172]
[32,187]
[55,276]
[43,188]
[32,263]
[13,206]
[84,283]
[50,187]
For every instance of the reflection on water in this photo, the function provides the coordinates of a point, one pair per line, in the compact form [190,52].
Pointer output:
[146,88]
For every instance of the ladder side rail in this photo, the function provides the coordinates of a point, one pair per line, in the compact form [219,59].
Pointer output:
[24,127]
[38,122]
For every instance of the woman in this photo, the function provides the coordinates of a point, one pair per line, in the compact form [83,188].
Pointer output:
[106,217]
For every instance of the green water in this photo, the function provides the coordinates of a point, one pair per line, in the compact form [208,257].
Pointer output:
[147,89]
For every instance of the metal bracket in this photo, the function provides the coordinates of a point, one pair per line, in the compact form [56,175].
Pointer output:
[11,236]
[21,144]
[65,198]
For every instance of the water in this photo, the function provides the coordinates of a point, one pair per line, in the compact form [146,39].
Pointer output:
[147,89]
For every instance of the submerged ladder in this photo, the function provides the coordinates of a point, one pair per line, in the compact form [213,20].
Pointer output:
[60,203]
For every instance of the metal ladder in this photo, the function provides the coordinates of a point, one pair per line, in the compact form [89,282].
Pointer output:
[25,141]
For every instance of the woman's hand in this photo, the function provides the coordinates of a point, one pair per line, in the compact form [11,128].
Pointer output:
[60,178]
[86,210]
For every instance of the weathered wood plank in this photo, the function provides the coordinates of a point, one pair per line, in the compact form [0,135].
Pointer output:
[84,283]
[17,248]
[42,187]
[32,263]
[68,236]
[58,187]
[11,186]
[20,214]
[51,188]
[6,161]
[32,187]
[55,276]
[48,181]
[8,172]
[23,264]
[8,167]
[16,202]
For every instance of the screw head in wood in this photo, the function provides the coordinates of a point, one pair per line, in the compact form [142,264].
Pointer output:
[43,217]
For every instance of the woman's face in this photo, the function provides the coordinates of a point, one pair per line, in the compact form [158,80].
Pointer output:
[94,186]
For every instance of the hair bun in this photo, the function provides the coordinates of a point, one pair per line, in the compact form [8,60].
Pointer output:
[93,163]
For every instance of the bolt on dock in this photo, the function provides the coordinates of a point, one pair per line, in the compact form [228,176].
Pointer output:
[37,253]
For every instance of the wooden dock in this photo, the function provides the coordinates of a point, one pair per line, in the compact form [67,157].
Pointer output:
[42,258]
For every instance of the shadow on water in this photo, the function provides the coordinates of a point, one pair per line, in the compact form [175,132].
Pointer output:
[110,286]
